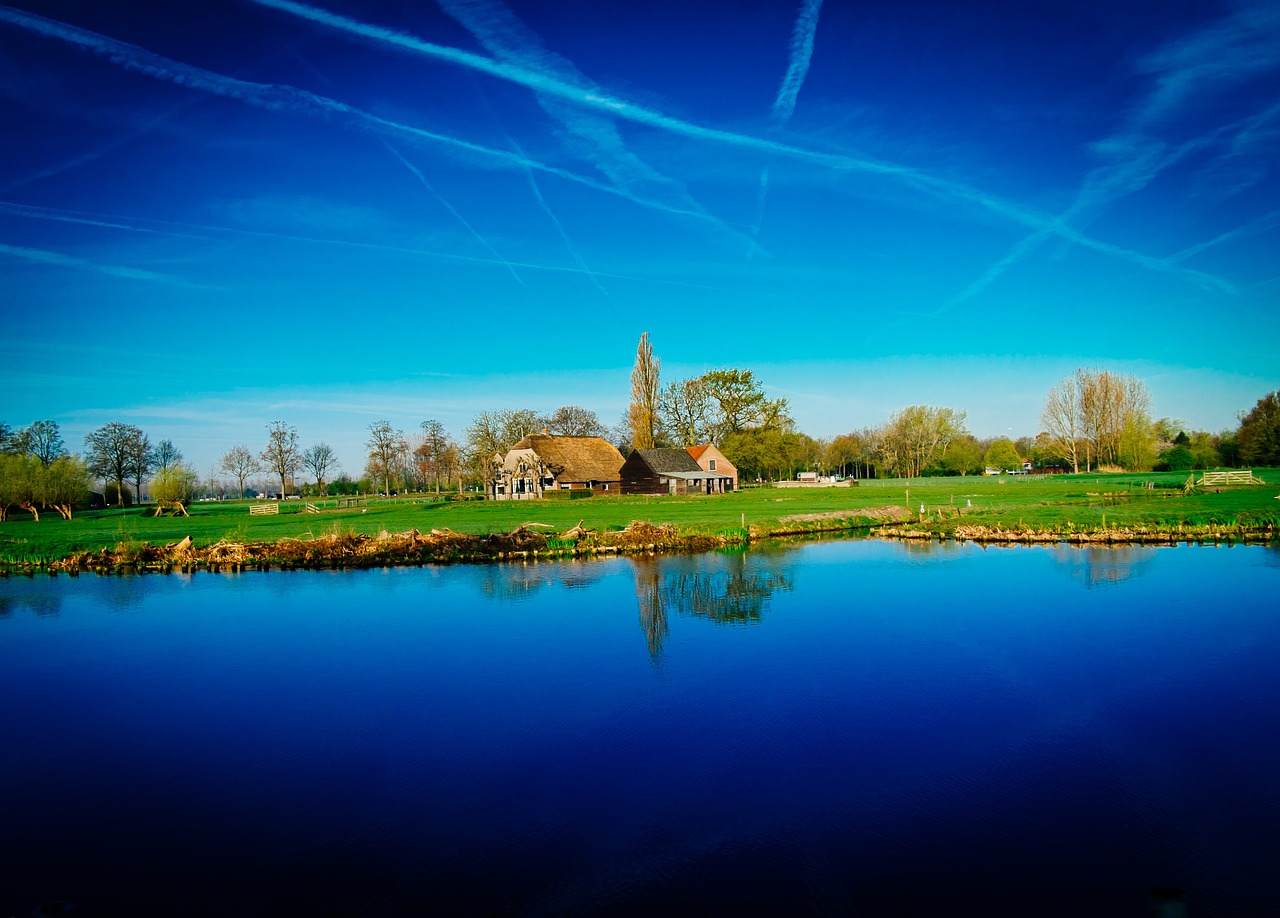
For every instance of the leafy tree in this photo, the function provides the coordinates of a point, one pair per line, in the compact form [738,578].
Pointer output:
[1176,459]
[575,421]
[165,456]
[281,454]
[1101,418]
[64,484]
[111,450]
[320,460]
[642,415]
[176,484]
[916,436]
[1259,433]
[386,445]
[19,483]
[240,463]
[1002,455]
[963,456]
[740,402]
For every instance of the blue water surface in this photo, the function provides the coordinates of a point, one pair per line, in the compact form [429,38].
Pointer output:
[860,727]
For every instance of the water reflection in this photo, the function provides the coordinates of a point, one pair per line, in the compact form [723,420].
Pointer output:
[1098,566]
[731,588]
[520,582]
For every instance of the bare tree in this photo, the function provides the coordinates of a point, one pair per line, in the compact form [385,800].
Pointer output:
[575,421]
[240,463]
[281,454]
[436,457]
[495,432]
[386,445]
[42,440]
[687,410]
[320,460]
[112,453]
[642,415]
[141,464]
[1061,421]
[165,456]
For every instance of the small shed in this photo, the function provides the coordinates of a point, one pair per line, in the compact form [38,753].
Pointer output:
[710,459]
[669,471]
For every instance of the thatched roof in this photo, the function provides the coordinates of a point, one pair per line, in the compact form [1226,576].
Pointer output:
[574,458]
[668,460]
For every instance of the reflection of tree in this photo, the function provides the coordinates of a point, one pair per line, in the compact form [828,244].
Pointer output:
[518,582]
[1104,565]
[729,589]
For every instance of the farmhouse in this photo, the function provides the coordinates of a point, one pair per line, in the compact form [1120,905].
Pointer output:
[670,471]
[546,462]
[710,459]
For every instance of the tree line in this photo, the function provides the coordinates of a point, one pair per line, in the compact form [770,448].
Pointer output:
[1091,420]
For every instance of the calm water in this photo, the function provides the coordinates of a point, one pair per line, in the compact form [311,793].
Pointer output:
[841,728]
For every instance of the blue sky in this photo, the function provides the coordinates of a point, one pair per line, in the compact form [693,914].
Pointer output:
[220,214]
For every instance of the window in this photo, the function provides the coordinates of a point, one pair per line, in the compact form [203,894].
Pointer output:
[712,462]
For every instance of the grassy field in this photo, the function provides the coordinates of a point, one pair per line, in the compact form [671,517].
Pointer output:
[1053,503]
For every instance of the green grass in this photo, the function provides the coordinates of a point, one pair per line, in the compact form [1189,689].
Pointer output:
[1056,503]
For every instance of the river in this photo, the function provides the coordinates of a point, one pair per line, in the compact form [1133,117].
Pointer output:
[842,727]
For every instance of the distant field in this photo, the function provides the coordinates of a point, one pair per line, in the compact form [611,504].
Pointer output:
[1055,503]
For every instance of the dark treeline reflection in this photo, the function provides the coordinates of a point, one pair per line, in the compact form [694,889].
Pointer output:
[731,588]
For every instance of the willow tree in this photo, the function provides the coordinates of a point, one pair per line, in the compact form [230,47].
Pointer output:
[642,414]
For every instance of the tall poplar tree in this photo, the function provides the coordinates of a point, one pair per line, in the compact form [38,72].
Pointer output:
[642,415]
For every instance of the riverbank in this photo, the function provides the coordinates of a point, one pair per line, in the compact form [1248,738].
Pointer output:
[1083,509]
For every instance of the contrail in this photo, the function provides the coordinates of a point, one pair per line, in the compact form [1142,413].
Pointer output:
[285,98]
[507,38]
[66,216]
[785,104]
[801,52]
[43,256]
[449,207]
[573,249]
[589,97]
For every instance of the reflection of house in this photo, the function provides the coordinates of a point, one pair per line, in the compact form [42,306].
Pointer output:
[544,462]
[710,459]
[670,471]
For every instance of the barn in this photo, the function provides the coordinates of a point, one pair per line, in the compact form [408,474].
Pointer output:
[670,471]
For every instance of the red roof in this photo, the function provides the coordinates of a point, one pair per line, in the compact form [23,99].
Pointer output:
[697,451]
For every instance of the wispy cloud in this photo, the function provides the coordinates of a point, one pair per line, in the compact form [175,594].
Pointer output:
[58,259]
[591,97]
[1185,73]
[590,135]
[289,99]
[453,210]
[801,53]
[8,208]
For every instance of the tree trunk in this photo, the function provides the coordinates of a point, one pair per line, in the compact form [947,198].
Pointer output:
[31,507]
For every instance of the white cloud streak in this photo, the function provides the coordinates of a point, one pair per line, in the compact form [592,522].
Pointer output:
[592,98]
[289,99]
[802,38]
[453,210]
[58,259]
[1209,62]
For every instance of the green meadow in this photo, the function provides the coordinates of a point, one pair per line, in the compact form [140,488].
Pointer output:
[1061,503]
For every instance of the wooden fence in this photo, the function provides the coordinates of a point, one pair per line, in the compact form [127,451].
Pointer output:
[271,509]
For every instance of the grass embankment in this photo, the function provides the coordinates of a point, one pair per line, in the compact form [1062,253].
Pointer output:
[1086,507]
